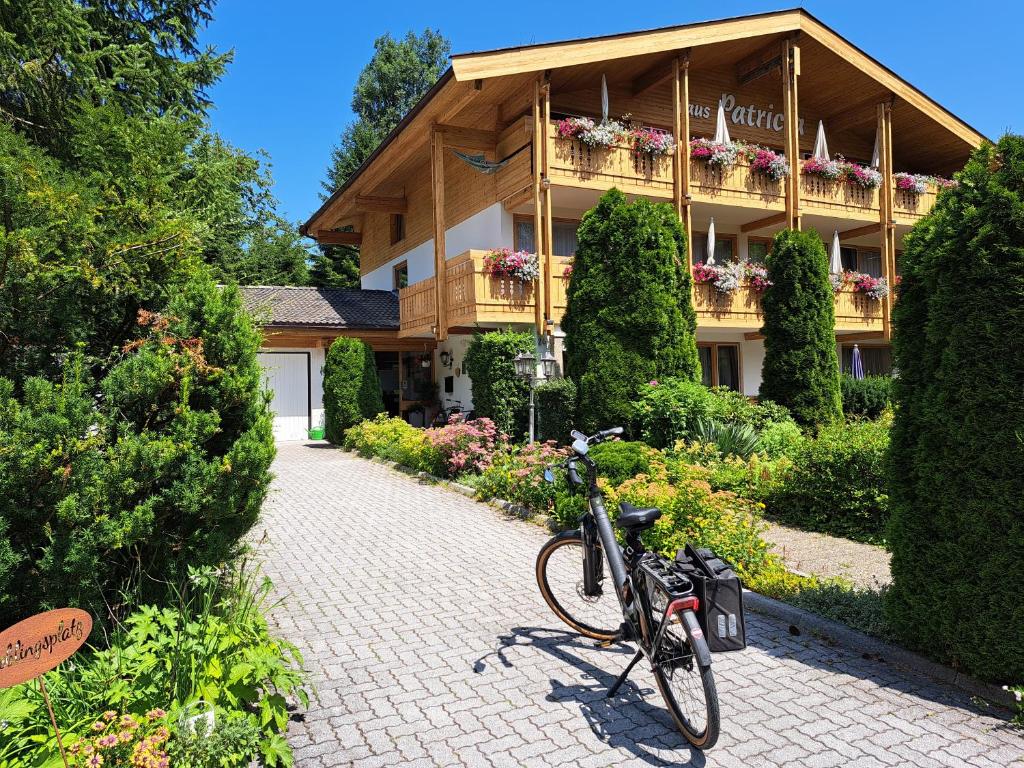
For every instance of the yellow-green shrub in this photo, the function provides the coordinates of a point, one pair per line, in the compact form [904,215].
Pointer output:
[393,439]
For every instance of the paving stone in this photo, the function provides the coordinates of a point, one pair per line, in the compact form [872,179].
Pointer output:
[429,644]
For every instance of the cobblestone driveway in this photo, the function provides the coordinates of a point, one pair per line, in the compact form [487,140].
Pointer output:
[430,645]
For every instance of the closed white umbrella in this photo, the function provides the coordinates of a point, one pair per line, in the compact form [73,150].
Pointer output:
[604,99]
[835,265]
[820,146]
[721,129]
[876,158]
[711,242]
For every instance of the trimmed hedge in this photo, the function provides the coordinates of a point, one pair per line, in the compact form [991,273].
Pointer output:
[801,370]
[556,410]
[837,483]
[351,387]
[622,460]
[498,393]
[957,532]
[629,317]
[866,397]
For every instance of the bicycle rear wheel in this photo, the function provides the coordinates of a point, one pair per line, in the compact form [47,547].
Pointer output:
[560,578]
[688,688]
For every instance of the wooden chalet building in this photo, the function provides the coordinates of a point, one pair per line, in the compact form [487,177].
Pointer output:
[425,218]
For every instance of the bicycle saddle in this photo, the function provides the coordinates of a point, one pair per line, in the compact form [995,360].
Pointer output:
[636,518]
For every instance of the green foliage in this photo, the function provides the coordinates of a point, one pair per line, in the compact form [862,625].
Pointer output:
[516,474]
[673,409]
[629,317]
[866,397]
[957,530]
[212,645]
[801,370]
[730,439]
[335,266]
[351,387]
[556,409]
[119,484]
[780,438]
[498,393]
[229,743]
[394,439]
[862,609]
[838,483]
[621,460]
[390,85]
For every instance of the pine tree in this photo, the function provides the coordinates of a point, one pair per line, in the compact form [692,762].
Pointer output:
[956,485]
[629,317]
[800,370]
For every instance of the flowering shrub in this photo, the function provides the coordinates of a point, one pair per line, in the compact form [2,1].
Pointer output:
[841,169]
[603,135]
[862,176]
[506,263]
[830,170]
[124,740]
[567,272]
[517,475]
[714,152]
[766,161]
[466,446]
[918,183]
[875,287]
[728,277]
[838,280]
[651,141]
[757,276]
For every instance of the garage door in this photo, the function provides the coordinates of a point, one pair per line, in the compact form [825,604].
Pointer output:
[287,375]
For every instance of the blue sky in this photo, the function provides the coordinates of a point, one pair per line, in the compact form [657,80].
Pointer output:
[290,87]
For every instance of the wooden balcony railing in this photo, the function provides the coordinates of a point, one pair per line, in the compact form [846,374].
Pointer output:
[475,297]
[575,164]
[857,311]
[838,198]
[913,205]
[742,309]
[736,184]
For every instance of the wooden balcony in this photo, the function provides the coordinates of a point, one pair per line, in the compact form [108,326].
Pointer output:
[735,185]
[574,164]
[476,298]
[838,199]
[909,207]
[742,309]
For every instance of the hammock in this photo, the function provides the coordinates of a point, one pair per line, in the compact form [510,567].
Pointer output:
[480,163]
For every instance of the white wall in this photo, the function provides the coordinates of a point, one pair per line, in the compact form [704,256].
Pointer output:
[751,362]
[462,387]
[490,228]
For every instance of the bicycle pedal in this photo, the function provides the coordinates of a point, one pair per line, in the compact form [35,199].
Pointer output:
[607,643]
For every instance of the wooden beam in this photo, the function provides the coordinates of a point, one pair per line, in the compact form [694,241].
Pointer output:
[854,115]
[685,128]
[767,221]
[753,336]
[759,64]
[520,198]
[338,238]
[538,218]
[791,154]
[677,138]
[795,128]
[657,75]
[545,264]
[850,234]
[440,257]
[860,336]
[375,204]
[468,138]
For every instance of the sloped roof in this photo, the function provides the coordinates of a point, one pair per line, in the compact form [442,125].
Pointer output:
[290,306]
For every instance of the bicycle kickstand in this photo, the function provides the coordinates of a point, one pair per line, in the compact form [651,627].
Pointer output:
[625,673]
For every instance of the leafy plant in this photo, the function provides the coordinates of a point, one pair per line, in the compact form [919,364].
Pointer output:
[351,387]
[499,394]
[396,440]
[230,742]
[517,475]
[466,446]
[730,439]
[866,397]
[620,460]
[556,409]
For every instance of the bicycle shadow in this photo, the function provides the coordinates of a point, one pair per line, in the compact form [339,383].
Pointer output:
[627,721]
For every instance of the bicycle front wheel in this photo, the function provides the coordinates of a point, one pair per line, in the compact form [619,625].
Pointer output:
[560,578]
[688,688]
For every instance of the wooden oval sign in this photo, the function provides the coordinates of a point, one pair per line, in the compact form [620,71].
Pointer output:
[40,643]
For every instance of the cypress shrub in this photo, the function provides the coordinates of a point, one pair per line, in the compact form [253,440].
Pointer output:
[498,393]
[957,528]
[556,409]
[801,370]
[866,397]
[351,387]
[629,317]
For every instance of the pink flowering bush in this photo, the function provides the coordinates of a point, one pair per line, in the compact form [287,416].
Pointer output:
[728,277]
[765,161]
[714,152]
[862,176]
[841,169]
[830,170]
[651,141]
[506,263]
[123,740]
[918,183]
[517,475]
[600,135]
[567,272]
[466,446]
[875,287]
[757,276]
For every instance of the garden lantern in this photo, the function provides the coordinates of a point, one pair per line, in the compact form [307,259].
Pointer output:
[548,365]
[525,365]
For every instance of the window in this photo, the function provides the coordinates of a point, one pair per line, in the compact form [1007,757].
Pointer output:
[876,361]
[757,249]
[720,365]
[562,232]
[725,247]
[397,227]
[863,260]
[400,276]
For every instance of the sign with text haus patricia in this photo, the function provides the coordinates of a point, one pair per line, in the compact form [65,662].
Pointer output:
[41,642]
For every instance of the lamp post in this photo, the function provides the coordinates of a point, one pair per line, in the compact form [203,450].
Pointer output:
[526,369]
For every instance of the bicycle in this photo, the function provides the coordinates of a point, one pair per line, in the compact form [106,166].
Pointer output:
[444,415]
[654,603]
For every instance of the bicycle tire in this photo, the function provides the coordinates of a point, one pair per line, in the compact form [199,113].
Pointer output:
[609,607]
[700,738]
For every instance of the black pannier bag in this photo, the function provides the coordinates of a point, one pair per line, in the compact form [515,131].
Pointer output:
[720,592]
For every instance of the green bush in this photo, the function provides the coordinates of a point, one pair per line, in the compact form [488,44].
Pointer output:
[111,489]
[838,483]
[866,397]
[673,409]
[351,387]
[498,393]
[754,478]
[801,370]
[394,439]
[780,438]
[729,439]
[957,531]
[556,410]
[620,460]
[516,474]
[629,317]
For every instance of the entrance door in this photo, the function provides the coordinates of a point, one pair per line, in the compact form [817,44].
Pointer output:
[287,377]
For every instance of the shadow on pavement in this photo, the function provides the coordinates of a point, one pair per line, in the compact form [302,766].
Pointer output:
[627,721]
